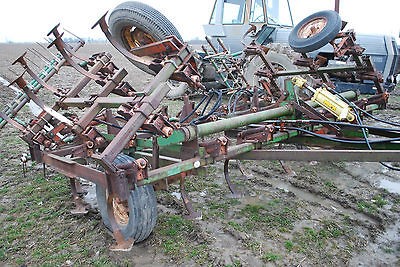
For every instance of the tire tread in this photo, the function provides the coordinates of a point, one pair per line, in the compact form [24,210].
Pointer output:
[142,208]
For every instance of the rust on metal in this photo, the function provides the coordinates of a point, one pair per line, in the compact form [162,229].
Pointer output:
[312,28]
[236,121]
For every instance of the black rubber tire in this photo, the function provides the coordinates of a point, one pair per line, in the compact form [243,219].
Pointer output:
[142,208]
[144,17]
[331,29]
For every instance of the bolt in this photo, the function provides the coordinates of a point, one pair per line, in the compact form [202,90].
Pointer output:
[167,131]
[141,163]
[89,144]
[196,164]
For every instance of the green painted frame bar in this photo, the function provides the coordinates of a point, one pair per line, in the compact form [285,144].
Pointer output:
[315,141]
[175,169]
[321,155]
[197,162]
[189,133]
[177,137]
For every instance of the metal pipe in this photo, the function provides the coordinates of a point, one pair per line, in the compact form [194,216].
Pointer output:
[244,120]
[240,121]
[337,4]
[156,90]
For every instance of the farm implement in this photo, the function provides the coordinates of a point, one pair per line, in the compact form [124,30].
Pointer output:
[125,140]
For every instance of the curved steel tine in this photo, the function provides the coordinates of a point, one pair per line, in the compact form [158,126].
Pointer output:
[76,36]
[72,53]
[193,215]
[232,188]
[24,64]
[56,34]
[66,46]
[241,169]
[287,168]
[80,207]
[104,27]
[47,109]
[61,48]
[43,83]
[12,122]
[20,81]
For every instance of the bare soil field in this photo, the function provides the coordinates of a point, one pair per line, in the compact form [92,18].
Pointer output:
[322,214]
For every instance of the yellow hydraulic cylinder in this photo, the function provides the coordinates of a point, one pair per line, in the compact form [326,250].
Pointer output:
[332,103]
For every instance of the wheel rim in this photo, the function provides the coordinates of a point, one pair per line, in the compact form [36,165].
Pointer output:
[312,28]
[121,212]
[135,37]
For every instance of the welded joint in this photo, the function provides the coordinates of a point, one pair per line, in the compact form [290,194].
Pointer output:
[257,135]
[216,147]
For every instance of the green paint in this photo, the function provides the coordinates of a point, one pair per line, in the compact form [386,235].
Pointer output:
[176,138]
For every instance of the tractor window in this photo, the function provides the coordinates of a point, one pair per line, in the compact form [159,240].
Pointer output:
[257,11]
[278,13]
[233,12]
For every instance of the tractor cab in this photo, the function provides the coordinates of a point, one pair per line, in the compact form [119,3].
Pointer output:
[231,19]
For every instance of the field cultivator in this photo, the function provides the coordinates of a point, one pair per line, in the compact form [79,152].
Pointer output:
[124,140]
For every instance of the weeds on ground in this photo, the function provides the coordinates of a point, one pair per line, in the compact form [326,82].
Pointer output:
[274,214]
[180,239]
[319,242]
[272,257]
[37,228]
[270,218]
[372,206]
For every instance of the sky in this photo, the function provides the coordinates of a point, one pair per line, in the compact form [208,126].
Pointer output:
[29,20]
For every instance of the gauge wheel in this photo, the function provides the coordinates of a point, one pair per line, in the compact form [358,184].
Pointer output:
[134,24]
[138,218]
[315,31]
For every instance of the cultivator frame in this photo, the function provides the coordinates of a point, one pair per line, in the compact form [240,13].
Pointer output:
[167,149]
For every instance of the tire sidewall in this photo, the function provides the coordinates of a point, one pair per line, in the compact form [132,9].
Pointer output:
[142,205]
[142,16]
[128,21]
[331,29]
[135,216]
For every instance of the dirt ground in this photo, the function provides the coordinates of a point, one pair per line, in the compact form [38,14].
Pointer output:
[322,214]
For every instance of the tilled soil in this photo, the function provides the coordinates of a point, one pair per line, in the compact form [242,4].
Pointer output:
[319,214]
